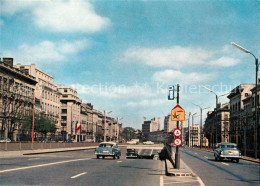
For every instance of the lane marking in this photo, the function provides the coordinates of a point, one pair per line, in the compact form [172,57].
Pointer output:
[33,159]
[161,180]
[200,181]
[224,163]
[119,161]
[42,165]
[78,175]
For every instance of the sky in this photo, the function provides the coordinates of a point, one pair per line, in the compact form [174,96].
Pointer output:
[121,56]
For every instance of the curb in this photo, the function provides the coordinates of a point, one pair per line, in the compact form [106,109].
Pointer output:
[67,150]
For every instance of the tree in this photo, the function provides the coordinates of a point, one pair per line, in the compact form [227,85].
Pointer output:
[41,125]
[129,133]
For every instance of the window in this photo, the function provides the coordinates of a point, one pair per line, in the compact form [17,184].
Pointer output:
[65,90]
[63,111]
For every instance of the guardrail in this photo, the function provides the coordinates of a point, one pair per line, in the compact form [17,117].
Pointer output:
[36,145]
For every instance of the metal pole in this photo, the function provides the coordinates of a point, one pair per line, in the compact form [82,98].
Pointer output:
[189,127]
[177,155]
[105,126]
[33,116]
[256,104]
[200,127]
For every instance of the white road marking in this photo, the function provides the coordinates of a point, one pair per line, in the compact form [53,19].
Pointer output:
[78,175]
[224,163]
[42,165]
[195,153]
[161,180]
[200,181]
[33,159]
[119,161]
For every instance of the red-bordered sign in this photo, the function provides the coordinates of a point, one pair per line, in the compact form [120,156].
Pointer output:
[177,142]
[177,132]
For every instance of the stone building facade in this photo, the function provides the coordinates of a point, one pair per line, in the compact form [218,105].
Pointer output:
[16,99]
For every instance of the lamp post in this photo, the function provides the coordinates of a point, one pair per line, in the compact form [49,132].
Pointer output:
[201,109]
[117,130]
[192,127]
[105,122]
[256,84]
[217,98]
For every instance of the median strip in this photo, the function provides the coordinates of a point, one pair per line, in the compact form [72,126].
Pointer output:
[42,165]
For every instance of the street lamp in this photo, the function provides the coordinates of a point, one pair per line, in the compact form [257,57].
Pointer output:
[256,84]
[201,109]
[217,97]
[105,137]
[192,120]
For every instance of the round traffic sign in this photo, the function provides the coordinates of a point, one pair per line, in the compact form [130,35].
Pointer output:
[177,142]
[177,132]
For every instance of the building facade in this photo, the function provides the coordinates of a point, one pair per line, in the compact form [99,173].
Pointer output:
[16,99]
[152,125]
[47,93]
[195,135]
[70,112]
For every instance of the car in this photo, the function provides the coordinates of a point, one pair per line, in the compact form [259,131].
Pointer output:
[227,151]
[131,142]
[5,140]
[148,143]
[108,149]
[131,153]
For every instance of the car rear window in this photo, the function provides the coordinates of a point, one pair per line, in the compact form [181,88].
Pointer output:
[105,145]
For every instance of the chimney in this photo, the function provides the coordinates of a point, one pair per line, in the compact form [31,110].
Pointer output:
[8,61]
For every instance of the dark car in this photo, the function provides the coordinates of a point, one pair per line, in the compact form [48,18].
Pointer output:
[131,153]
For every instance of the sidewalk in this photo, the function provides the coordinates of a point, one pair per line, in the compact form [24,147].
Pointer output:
[243,157]
[8,154]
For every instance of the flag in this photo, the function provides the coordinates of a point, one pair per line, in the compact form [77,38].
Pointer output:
[78,127]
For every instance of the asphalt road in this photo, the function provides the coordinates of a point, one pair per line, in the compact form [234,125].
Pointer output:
[223,172]
[79,168]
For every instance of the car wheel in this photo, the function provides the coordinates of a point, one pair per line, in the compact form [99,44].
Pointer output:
[103,157]
[216,159]
[118,157]
[114,157]
[97,156]
[237,160]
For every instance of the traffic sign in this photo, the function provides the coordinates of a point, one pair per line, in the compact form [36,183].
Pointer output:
[178,113]
[177,142]
[171,93]
[177,132]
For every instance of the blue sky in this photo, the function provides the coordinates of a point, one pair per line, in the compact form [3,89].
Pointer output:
[122,55]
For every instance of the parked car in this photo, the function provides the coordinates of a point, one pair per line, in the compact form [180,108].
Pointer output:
[148,143]
[5,140]
[108,149]
[131,153]
[227,151]
[131,142]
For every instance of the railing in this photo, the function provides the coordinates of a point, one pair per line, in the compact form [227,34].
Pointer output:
[41,145]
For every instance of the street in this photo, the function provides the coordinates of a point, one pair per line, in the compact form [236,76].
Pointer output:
[220,172]
[82,168]
[79,168]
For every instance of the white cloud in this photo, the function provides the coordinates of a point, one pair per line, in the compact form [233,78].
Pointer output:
[59,16]
[47,51]
[117,91]
[177,57]
[224,62]
[174,57]
[145,102]
[169,76]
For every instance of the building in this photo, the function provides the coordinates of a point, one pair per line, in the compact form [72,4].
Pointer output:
[195,135]
[151,126]
[16,99]
[88,128]
[169,125]
[97,121]
[46,92]
[70,112]
[236,98]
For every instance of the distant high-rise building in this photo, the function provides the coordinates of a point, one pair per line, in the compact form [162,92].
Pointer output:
[151,126]
[169,125]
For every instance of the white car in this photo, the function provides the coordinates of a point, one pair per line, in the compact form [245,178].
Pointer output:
[148,143]
[131,142]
